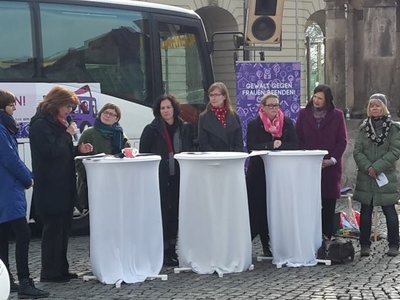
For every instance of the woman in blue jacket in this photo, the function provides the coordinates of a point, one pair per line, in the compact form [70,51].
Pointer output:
[15,178]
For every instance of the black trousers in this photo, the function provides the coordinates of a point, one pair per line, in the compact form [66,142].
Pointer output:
[328,215]
[392,223]
[256,195]
[55,235]
[22,233]
[169,213]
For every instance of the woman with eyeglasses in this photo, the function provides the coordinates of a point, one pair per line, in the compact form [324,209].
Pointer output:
[106,136]
[15,178]
[270,130]
[166,135]
[219,125]
[321,126]
[54,192]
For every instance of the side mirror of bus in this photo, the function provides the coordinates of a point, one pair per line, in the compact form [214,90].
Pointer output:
[238,41]
[210,47]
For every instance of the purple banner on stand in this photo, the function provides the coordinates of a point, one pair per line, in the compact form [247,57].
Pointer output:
[254,79]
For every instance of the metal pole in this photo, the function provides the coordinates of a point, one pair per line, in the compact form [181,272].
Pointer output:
[297,29]
[246,55]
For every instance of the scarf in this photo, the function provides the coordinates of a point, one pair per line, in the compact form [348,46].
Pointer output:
[62,122]
[8,122]
[275,126]
[377,129]
[220,113]
[113,132]
[174,143]
[319,115]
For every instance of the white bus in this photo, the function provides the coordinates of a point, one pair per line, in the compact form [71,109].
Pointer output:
[124,52]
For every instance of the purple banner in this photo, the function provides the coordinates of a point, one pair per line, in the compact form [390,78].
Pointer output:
[254,79]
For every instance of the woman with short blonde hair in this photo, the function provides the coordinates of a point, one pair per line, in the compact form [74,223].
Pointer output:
[376,151]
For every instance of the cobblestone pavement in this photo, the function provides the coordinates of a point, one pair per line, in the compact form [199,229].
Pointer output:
[374,277]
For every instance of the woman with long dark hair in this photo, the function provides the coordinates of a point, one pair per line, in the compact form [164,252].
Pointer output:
[321,126]
[165,136]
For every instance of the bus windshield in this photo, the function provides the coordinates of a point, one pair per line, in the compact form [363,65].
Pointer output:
[126,53]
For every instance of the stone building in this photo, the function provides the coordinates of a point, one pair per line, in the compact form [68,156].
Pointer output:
[362,52]
[360,39]
[361,56]
[229,15]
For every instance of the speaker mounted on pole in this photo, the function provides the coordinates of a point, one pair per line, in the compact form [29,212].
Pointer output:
[264,21]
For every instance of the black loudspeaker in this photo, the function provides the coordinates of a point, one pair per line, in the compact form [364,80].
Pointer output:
[264,21]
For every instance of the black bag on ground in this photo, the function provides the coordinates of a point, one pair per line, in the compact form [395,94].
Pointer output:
[336,250]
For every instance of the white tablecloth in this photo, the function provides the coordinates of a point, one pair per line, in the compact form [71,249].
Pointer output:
[126,241]
[294,205]
[214,230]
[4,282]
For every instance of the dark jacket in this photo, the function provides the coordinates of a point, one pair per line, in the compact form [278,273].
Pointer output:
[331,136]
[152,140]
[383,159]
[15,177]
[214,137]
[259,139]
[52,150]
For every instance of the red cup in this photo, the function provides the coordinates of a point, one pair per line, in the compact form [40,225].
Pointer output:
[129,152]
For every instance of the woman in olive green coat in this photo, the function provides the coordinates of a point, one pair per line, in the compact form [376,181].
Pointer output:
[107,137]
[376,150]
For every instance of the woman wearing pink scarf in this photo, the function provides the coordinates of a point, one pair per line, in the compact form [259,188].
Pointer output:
[270,130]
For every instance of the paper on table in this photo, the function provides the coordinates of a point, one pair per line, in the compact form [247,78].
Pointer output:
[90,156]
[382,180]
[258,152]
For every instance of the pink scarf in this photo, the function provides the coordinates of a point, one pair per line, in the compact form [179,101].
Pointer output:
[275,126]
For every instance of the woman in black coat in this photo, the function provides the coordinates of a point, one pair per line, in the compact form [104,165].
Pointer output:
[165,136]
[270,130]
[54,191]
[219,125]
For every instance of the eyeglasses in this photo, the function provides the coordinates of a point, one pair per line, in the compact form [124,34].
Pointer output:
[271,106]
[109,114]
[214,95]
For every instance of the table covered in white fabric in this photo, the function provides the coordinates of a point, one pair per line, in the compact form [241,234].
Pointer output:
[214,230]
[126,241]
[294,205]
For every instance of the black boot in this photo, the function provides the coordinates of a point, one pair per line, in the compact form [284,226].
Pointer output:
[265,245]
[27,290]
[14,287]
[170,257]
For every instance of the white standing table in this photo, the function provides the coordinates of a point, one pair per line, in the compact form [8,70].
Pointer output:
[293,181]
[126,240]
[214,230]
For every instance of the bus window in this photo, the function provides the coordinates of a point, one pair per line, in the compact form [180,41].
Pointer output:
[16,54]
[89,44]
[182,72]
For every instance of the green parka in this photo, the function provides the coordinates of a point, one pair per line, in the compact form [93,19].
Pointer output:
[383,159]
[100,144]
